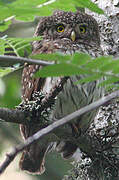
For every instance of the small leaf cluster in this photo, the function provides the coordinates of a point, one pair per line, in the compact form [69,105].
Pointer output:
[15,46]
[19,46]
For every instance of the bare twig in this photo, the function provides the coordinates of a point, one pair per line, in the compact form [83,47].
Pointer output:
[10,157]
[7,61]
[12,115]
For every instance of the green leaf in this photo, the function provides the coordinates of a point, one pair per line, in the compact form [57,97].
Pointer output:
[63,69]
[27,10]
[52,57]
[90,5]
[112,87]
[19,41]
[110,80]
[2,46]
[19,46]
[99,62]
[67,5]
[116,70]
[80,58]
[4,25]
[110,66]
[90,78]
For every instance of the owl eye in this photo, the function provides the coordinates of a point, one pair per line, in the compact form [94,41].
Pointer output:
[82,29]
[60,28]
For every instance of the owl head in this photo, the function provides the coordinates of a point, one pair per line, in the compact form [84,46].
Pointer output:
[76,27]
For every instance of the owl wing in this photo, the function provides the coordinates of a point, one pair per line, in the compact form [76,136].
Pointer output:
[33,157]
[29,83]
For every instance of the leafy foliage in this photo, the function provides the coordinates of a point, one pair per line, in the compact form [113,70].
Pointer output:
[82,64]
[90,5]
[19,46]
[26,10]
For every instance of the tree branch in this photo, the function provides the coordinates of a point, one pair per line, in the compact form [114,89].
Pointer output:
[10,157]
[7,61]
[14,116]
[20,117]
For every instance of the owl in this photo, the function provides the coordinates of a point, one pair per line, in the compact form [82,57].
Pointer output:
[67,33]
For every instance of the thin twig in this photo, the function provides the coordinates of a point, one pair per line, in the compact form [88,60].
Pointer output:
[46,3]
[10,157]
[7,61]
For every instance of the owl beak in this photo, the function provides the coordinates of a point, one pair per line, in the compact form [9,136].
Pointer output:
[73,36]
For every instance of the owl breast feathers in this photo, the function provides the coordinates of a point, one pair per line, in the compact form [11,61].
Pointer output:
[64,32]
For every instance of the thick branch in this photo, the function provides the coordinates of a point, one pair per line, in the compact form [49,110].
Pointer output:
[12,115]
[53,126]
[7,61]
[20,117]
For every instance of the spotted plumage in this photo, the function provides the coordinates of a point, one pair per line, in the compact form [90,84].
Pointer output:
[64,32]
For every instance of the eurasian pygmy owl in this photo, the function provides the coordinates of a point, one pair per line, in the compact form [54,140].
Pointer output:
[64,32]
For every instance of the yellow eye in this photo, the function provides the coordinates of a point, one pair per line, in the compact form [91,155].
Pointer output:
[82,29]
[60,28]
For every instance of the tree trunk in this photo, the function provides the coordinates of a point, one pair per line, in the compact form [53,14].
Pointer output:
[103,163]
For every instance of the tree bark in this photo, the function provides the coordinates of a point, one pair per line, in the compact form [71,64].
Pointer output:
[104,165]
